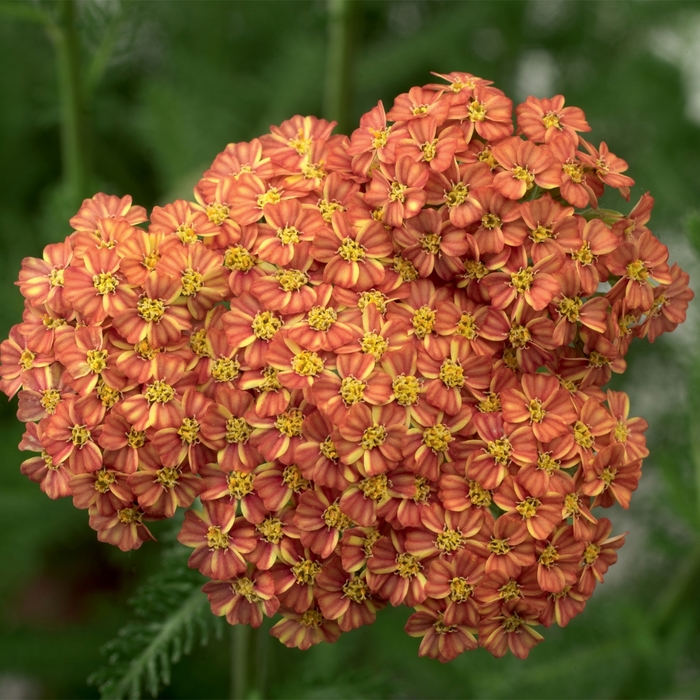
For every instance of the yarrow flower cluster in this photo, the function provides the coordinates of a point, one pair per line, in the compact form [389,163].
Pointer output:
[375,363]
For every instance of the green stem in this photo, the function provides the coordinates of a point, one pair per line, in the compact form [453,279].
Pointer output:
[338,87]
[73,152]
[240,641]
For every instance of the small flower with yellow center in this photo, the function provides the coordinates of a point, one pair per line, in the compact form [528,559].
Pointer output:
[305,572]
[307,364]
[537,412]
[519,336]
[596,359]
[265,324]
[79,435]
[405,269]
[237,430]
[423,321]
[608,476]
[216,213]
[569,308]
[370,540]
[500,449]
[238,259]
[357,590]
[291,280]
[150,310]
[293,479]
[270,530]
[191,282]
[312,618]
[512,624]
[457,195]
[429,150]
[522,280]
[449,541]
[406,388]
[144,350]
[52,323]
[48,461]
[528,507]
[105,283]
[107,394]
[225,369]
[637,271]
[460,590]
[328,208]
[373,296]
[167,477]
[243,586]
[397,193]
[272,196]
[474,270]
[478,495]
[422,489]
[374,436]
[216,539]
[379,137]
[591,554]
[328,449]
[491,221]
[437,437]
[104,480]
[490,404]
[620,432]
[498,547]
[321,318]
[574,171]
[239,484]
[375,487]
[549,556]
[270,381]
[582,435]
[189,431]
[352,390]
[407,566]
[335,518]
[289,422]
[288,235]
[551,119]
[312,171]
[571,505]
[524,175]
[151,260]
[96,360]
[541,233]
[584,255]
[50,398]
[374,344]
[300,144]
[452,374]
[127,516]
[136,438]
[547,463]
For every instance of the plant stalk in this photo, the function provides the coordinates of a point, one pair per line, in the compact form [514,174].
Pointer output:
[248,663]
[73,137]
[338,87]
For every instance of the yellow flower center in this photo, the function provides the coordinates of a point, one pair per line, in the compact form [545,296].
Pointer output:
[407,566]
[374,436]
[486,156]
[191,282]
[548,556]
[265,324]
[351,251]
[238,259]
[321,318]
[305,572]
[637,271]
[307,364]
[490,404]
[460,590]
[607,477]
[512,624]
[294,479]
[150,310]
[591,554]
[429,150]
[510,591]
[457,195]
[498,547]
[328,208]
[216,213]
[551,119]
[523,174]
[475,270]
[369,541]
[423,321]
[300,144]
[582,435]
[352,390]
[107,394]
[105,283]
[216,539]
[452,374]
[571,505]
[335,518]
[104,480]
[314,170]
[519,336]
[312,618]
[237,430]
[491,221]
[477,111]
[128,516]
[373,344]
[356,589]
[291,280]
[328,450]
[449,541]
[375,487]
[437,437]
[144,350]
[584,255]
[243,586]
[417,110]
[96,360]
[621,432]
[56,278]
[500,449]
[225,369]
[379,137]
[167,477]
[270,381]
[528,507]
[271,530]
[189,431]
[289,422]
[546,463]
[288,235]
[136,438]
[569,307]
[398,192]
[239,484]
[50,398]
[541,233]
[574,171]
[406,388]
[379,299]
[478,495]
[522,280]
[422,486]
[537,413]
[595,359]
[405,269]
[272,196]
[79,435]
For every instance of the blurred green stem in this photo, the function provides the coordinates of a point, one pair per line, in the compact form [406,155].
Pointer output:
[338,86]
[73,138]
[248,663]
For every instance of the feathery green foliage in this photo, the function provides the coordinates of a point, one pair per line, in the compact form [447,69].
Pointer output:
[170,615]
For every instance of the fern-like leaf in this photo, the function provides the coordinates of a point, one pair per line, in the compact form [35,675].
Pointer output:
[171,614]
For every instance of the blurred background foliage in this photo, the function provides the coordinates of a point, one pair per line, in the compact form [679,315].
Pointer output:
[166,85]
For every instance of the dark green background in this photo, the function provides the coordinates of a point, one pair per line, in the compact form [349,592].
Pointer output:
[183,79]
